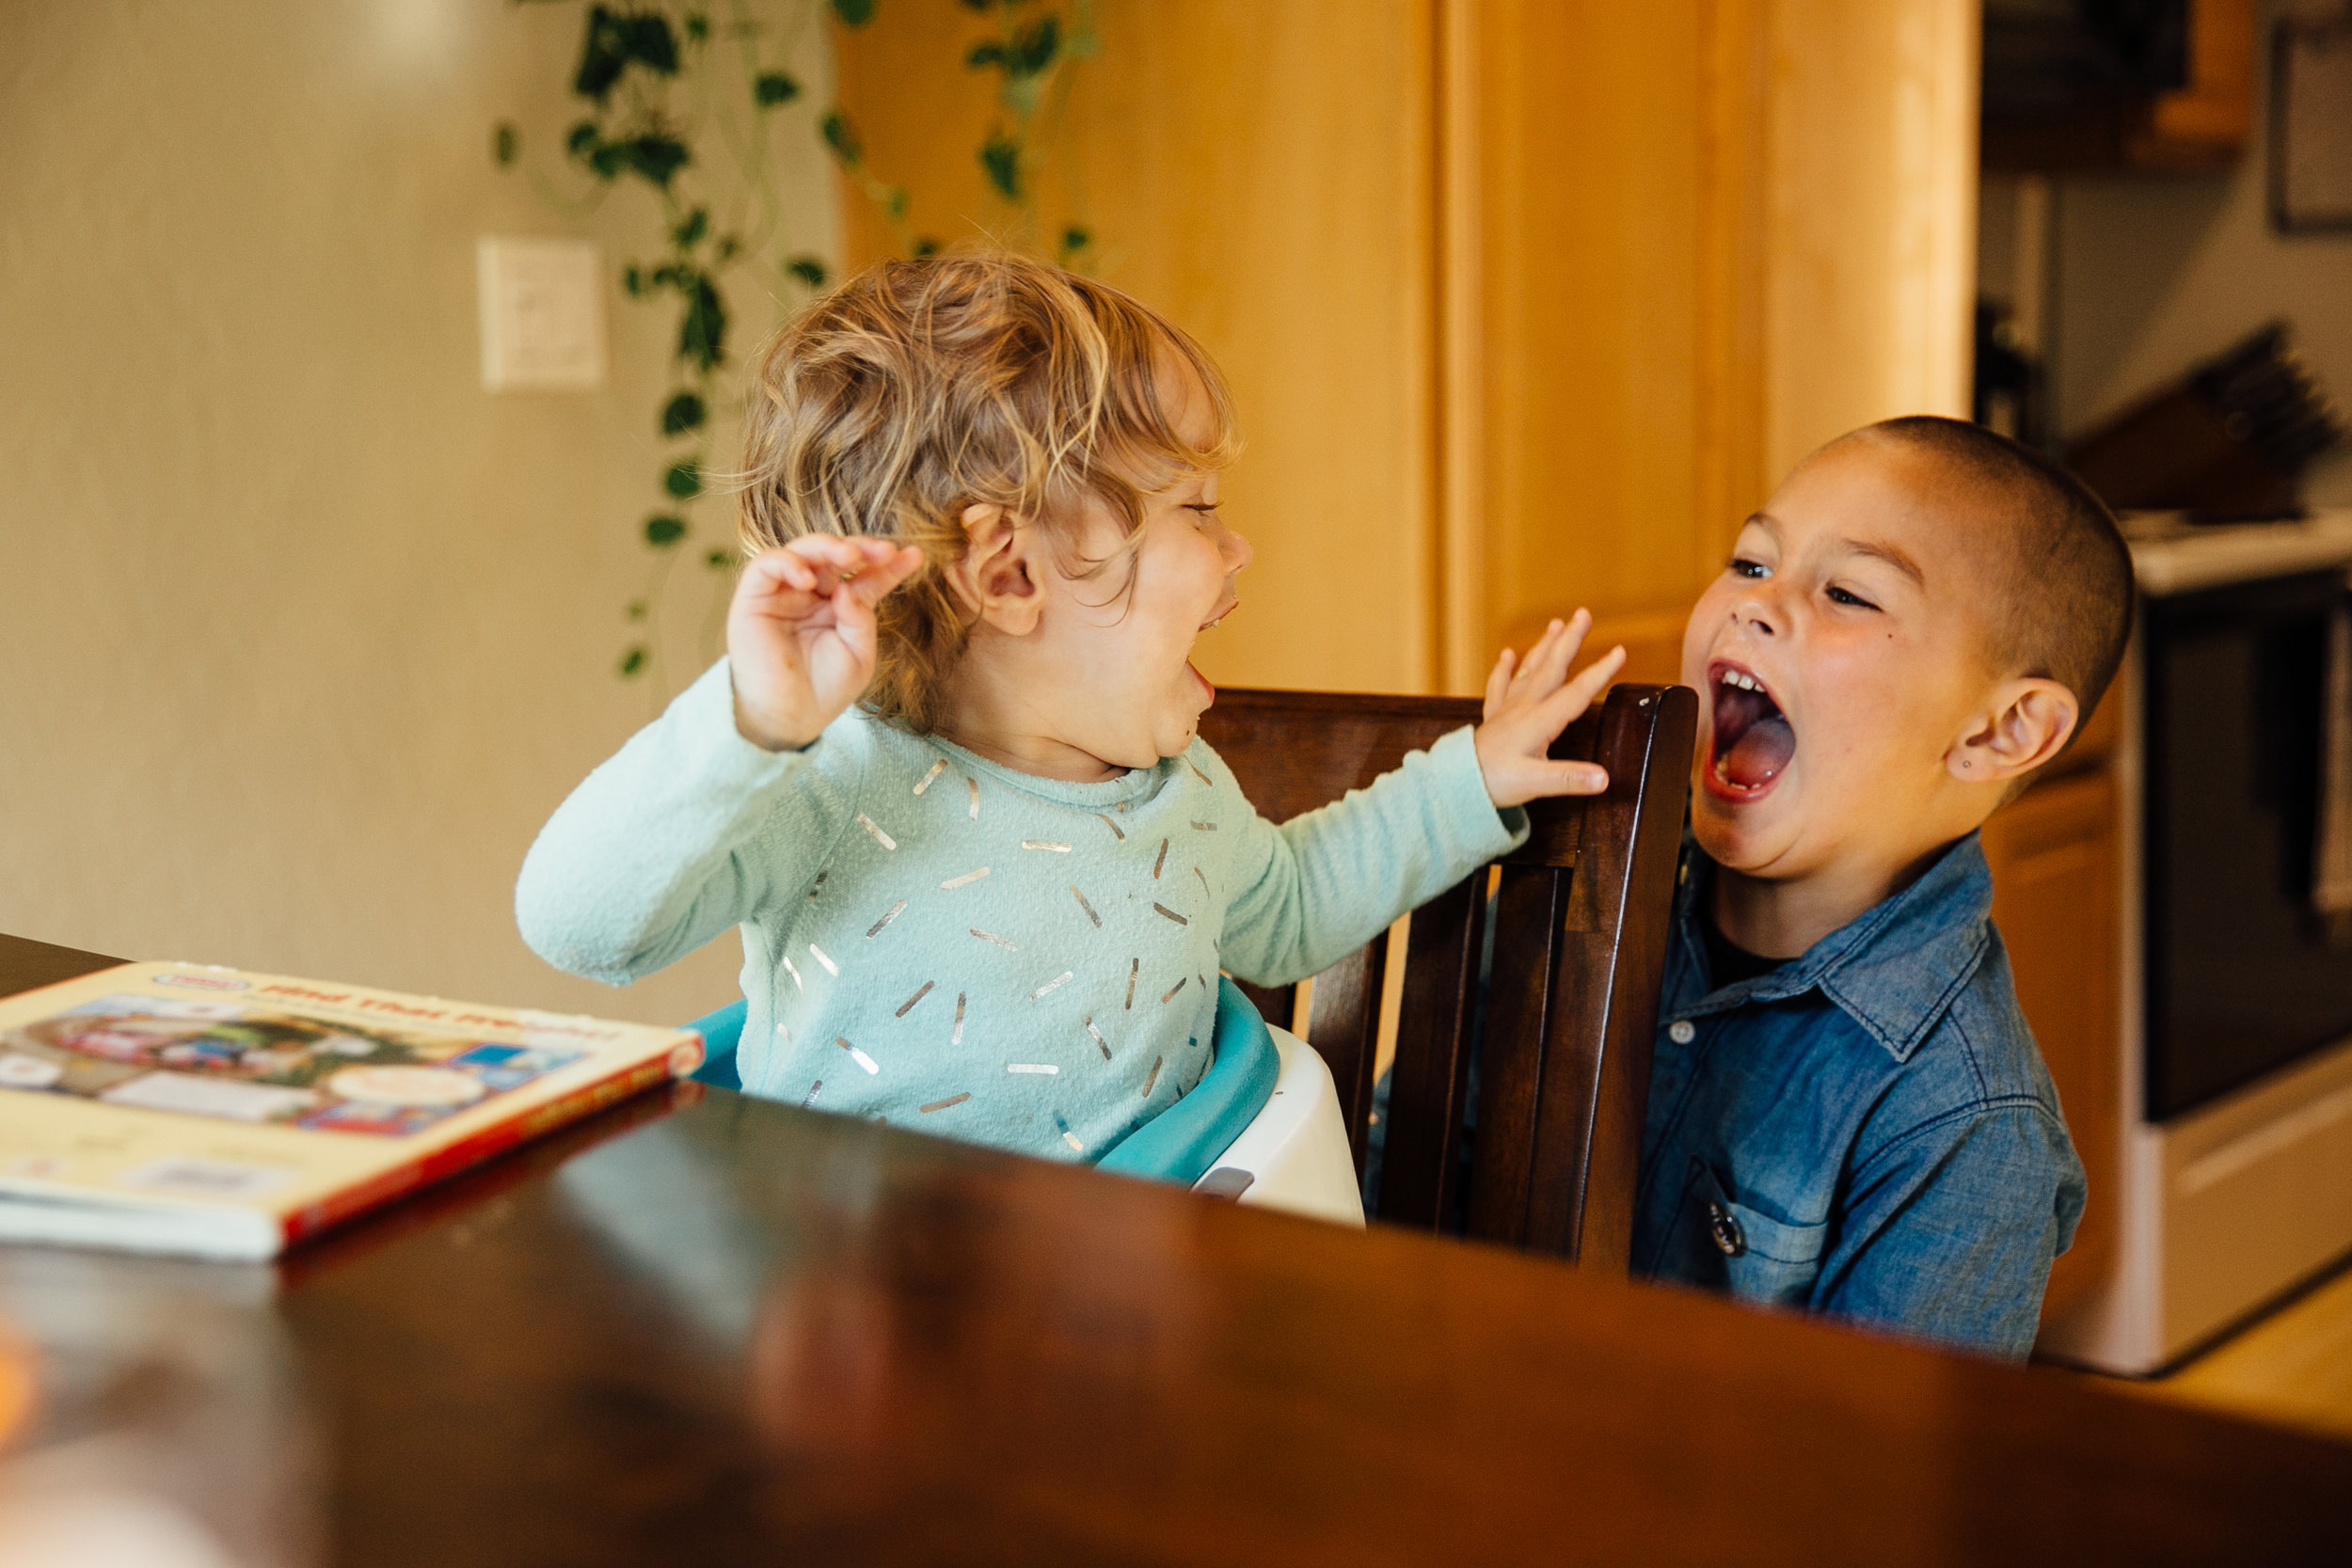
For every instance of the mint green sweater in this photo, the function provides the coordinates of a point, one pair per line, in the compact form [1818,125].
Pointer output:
[937,941]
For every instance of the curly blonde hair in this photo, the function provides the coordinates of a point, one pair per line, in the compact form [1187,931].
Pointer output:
[918,388]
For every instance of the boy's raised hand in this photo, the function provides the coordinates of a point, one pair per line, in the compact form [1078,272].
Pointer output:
[800,633]
[1528,702]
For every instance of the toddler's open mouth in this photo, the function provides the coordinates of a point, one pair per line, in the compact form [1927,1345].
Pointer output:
[1208,690]
[1751,739]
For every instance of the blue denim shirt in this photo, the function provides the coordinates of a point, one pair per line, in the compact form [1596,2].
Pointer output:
[1867,1130]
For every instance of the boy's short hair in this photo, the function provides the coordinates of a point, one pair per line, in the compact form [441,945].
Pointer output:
[2061,606]
[918,388]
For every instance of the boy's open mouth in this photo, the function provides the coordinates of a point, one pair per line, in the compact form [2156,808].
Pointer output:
[1751,738]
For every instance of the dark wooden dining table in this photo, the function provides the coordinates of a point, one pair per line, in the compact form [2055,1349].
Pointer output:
[708,1329]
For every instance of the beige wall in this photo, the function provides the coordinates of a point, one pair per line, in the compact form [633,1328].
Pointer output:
[303,634]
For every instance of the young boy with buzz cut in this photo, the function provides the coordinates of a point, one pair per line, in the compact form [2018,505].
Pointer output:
[1847,1110]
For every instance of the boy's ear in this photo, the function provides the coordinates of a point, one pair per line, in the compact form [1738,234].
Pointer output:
[997,576]
[2027,722]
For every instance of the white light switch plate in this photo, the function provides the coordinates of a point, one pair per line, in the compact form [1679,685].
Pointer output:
[541,315]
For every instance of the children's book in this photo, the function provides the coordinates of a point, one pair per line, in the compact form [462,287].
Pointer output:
[177,1108]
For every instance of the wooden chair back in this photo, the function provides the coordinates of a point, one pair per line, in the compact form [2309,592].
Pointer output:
[1582,913]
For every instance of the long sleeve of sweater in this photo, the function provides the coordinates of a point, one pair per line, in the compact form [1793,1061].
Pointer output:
[1322,884]
[689,830]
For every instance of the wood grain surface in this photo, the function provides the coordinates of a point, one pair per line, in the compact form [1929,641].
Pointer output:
[713,1330]
[24,965]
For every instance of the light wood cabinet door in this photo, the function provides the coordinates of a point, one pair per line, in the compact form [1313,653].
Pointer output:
[2055,892]
[1525,303]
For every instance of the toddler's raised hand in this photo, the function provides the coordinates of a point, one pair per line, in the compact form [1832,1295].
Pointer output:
[800,633]
[1527,708]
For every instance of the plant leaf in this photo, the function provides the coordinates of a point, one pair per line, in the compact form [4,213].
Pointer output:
[645,37]
[842,137]
[697,27]
[924,247]
[772,88]
[601,57]
[1000,155]
[689,233]
[663,529]
[637,609]
[684,481]
[984,55]
[701,334]
[1035,47]
[854,13]
[681,414]
[808,269]
[634,661]
[505,142]
[583,136]
[657,155]
[718,561]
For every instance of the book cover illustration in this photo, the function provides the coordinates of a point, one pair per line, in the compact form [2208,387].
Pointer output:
[277,1104]
[249,1061]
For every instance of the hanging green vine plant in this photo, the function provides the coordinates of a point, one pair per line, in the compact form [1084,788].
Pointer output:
[1034,50]
[680,102]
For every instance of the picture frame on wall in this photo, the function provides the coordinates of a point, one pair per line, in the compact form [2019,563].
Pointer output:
[2311,127]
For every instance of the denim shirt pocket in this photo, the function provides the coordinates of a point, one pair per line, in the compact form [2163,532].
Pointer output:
[1738,1248]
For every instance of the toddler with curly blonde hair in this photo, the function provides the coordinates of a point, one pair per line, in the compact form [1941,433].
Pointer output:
[948,779]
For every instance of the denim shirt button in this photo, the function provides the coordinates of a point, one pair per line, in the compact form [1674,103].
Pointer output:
[1726,1229]
[1681,1030]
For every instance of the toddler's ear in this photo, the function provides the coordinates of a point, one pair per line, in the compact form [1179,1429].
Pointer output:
[995,578]
[2027,722]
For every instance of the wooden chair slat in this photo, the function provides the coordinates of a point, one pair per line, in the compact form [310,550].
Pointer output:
[1343,1025]
[1580,915]
[1421,1164]
[1527,916]
[1610,965]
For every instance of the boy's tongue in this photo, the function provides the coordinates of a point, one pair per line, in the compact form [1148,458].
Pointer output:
[1759,753]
